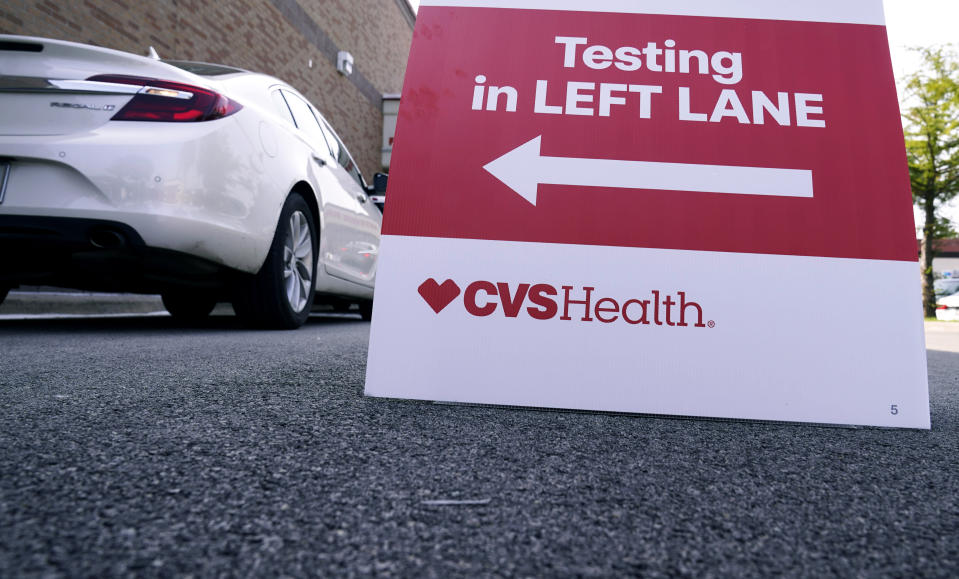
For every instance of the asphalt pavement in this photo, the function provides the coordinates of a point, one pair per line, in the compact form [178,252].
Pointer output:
[134,446]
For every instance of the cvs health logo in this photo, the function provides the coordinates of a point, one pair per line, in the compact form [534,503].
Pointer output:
[544,302]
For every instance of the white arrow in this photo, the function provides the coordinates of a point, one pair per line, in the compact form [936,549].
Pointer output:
[523,169]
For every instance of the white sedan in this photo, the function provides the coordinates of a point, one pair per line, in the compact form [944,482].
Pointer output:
[200,182]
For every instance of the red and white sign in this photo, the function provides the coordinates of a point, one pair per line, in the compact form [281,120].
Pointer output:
[691,208]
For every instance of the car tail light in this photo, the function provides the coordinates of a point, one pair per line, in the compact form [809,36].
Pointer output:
[168,101]
[942,307]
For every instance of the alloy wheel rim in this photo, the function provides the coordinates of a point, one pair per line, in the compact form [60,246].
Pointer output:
[298,261]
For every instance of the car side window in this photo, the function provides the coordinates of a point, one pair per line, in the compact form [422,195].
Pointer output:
[306,121]
[335,146]
[281,107]
[343,156]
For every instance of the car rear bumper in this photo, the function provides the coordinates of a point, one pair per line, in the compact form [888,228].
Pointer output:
[99,255]
[193,188]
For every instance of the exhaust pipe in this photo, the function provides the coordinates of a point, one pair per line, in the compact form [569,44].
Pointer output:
[104,238]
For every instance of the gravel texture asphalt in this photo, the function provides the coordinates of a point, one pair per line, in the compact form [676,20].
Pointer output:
[133,446]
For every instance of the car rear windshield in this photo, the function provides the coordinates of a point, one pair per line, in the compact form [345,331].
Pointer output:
[204,68]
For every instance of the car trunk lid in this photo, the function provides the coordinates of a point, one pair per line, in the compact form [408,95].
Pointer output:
[44,88]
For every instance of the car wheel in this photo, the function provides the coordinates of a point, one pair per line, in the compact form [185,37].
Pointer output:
[280,296]
[188,307]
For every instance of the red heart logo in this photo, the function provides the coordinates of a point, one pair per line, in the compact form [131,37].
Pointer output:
[439,295]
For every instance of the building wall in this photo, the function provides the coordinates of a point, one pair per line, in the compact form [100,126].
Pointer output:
[277,37]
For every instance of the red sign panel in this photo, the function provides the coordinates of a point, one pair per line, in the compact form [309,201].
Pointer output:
[643,130]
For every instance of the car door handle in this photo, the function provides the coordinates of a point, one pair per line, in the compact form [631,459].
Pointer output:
[361,198]
[320,160]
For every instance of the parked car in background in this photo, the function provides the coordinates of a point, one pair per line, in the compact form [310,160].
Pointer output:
[947,299]
[947,308]
[203,183]
[945,287]
[379,190]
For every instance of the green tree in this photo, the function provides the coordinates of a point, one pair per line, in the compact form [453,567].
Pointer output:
[932,147]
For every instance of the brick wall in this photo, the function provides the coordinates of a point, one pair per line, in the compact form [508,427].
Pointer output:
[278,37]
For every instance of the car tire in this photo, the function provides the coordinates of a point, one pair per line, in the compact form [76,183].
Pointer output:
[281,295]
[188,307]
[366,311]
